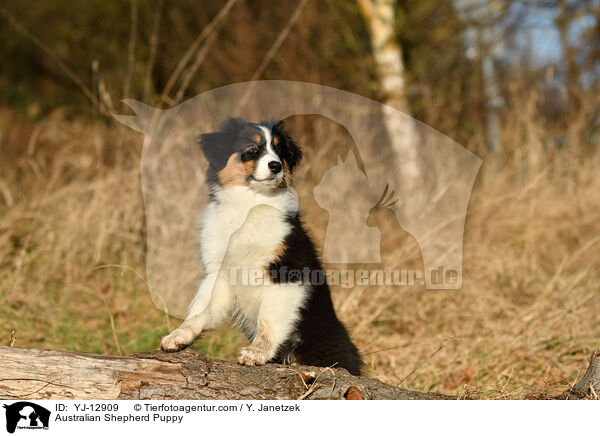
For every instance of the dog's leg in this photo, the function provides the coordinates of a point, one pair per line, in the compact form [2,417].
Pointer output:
[277,316]
[202,315]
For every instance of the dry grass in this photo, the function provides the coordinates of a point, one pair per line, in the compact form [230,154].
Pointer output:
[72,266]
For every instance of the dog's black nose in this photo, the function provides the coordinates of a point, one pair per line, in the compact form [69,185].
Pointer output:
[275,166]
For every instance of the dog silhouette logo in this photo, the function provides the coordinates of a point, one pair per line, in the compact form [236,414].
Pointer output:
[26,415]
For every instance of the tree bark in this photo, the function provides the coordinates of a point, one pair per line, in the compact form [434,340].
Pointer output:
[33,374]
[380,17]
[589,385]
[43,374]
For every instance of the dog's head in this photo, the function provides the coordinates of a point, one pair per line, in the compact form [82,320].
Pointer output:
[261,155]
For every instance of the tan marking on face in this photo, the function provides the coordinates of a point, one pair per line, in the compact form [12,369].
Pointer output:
[249,167]
[256,138]
[234,173]
[287,175]
[276,140]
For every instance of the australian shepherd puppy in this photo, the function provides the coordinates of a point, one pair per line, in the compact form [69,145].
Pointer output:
[251,225]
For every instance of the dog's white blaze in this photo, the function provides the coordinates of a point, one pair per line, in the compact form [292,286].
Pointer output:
[268,138]
[244,228]
[262,166]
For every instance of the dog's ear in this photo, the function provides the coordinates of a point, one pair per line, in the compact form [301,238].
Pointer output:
[291,153]
[213,146]
[217,146]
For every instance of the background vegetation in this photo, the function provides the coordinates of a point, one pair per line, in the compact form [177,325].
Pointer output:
[72,230]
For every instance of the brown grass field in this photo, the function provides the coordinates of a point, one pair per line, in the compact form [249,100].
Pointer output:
[72,264]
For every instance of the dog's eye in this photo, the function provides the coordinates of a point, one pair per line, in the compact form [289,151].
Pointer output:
[252,148]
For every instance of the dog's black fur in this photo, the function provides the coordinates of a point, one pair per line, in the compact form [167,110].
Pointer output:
[320,338]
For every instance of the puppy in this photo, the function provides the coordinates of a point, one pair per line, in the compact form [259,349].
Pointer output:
[251,225]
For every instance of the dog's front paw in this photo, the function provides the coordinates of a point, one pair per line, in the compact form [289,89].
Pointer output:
[179,339]
[251,356]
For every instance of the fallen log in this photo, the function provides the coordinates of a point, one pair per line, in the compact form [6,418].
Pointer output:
[32,374]
[44,374]
[589,385]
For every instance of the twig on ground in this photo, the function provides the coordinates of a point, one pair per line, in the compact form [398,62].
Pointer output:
[315,384]
[421,364]
[13,339]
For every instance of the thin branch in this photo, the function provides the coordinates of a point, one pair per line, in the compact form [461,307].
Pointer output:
[153,47]
[273,50]
[131,50]
[193,69]
[193,49]
[19,27]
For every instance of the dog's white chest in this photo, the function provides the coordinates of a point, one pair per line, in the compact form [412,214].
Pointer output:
[244,228]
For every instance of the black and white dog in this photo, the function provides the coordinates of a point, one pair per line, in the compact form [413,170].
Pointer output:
[251,224]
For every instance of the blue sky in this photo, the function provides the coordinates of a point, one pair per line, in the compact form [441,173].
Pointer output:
[539,31]
[537,35]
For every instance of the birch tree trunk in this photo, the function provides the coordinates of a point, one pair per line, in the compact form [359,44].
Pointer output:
[380,16]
